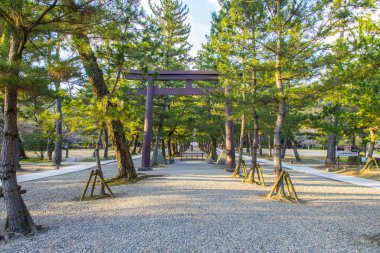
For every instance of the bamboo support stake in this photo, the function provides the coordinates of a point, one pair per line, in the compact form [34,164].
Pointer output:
[94,182]
[292,187]
[87,184]
[276,183]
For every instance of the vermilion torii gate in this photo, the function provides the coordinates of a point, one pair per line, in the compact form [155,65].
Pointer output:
[189,76]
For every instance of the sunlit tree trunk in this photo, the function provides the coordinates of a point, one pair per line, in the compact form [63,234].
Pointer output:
[281,104]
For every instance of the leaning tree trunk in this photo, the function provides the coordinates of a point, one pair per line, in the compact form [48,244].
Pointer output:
[296,154]
[126,168]
[281,107]
[371,146]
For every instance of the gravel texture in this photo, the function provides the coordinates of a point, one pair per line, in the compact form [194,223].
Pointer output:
[196,207]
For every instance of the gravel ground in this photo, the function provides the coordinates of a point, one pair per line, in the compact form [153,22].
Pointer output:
[196,207]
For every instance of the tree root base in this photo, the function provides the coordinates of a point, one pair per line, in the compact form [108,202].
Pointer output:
[283,198]
[367,167]
[250,177]
[290,195]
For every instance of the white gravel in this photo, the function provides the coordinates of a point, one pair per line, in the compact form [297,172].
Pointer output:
[195,207]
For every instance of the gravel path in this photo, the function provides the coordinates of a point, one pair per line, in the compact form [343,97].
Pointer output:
[195,207]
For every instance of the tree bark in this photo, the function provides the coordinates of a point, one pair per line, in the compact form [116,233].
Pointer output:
[331,147]
[136,139]
[126,167]
[58,132]
[12,197]
[296,154]
[283,150]
[254,146]
[371,146]
[21,153]
[241,140]
[214,155]
[281,105]
[106,144]
[49,150]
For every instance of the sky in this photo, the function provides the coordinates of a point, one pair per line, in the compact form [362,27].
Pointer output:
[199,17]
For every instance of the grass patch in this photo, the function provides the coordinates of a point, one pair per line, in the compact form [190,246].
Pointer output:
[33,160]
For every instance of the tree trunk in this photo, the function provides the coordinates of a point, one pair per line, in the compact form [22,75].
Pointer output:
[270,145]
[140,148]
[67,150]
[260,146]
[126,167]
[98,162]
[21,151]
[283,150]
[214,155]
[296,154]
[169,143]
[49,150]
[136,139]
[247,143]
[17,222]
[241,140]
[160,132]
[106,144]
[372,141]
[281,106]
[58,132]
[254,146]
[331,148]
[17,154]
[163,147]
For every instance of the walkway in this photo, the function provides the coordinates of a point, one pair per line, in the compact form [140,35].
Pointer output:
[63,170]
[330,175]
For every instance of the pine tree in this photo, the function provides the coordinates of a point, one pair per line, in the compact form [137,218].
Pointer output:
[169,18]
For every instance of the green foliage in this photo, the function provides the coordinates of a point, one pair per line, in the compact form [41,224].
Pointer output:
[34,141]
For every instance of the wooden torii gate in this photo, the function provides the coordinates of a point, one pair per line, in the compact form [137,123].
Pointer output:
[150,91]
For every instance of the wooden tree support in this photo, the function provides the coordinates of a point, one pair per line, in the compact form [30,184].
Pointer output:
[368,165]
[32,227]
[237,170]
[95,173]
[289,189]
[260,176]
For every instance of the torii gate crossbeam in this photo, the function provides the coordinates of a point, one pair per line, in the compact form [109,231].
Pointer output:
[189,76]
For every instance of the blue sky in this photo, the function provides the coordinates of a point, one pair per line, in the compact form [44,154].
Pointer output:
[199,17]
